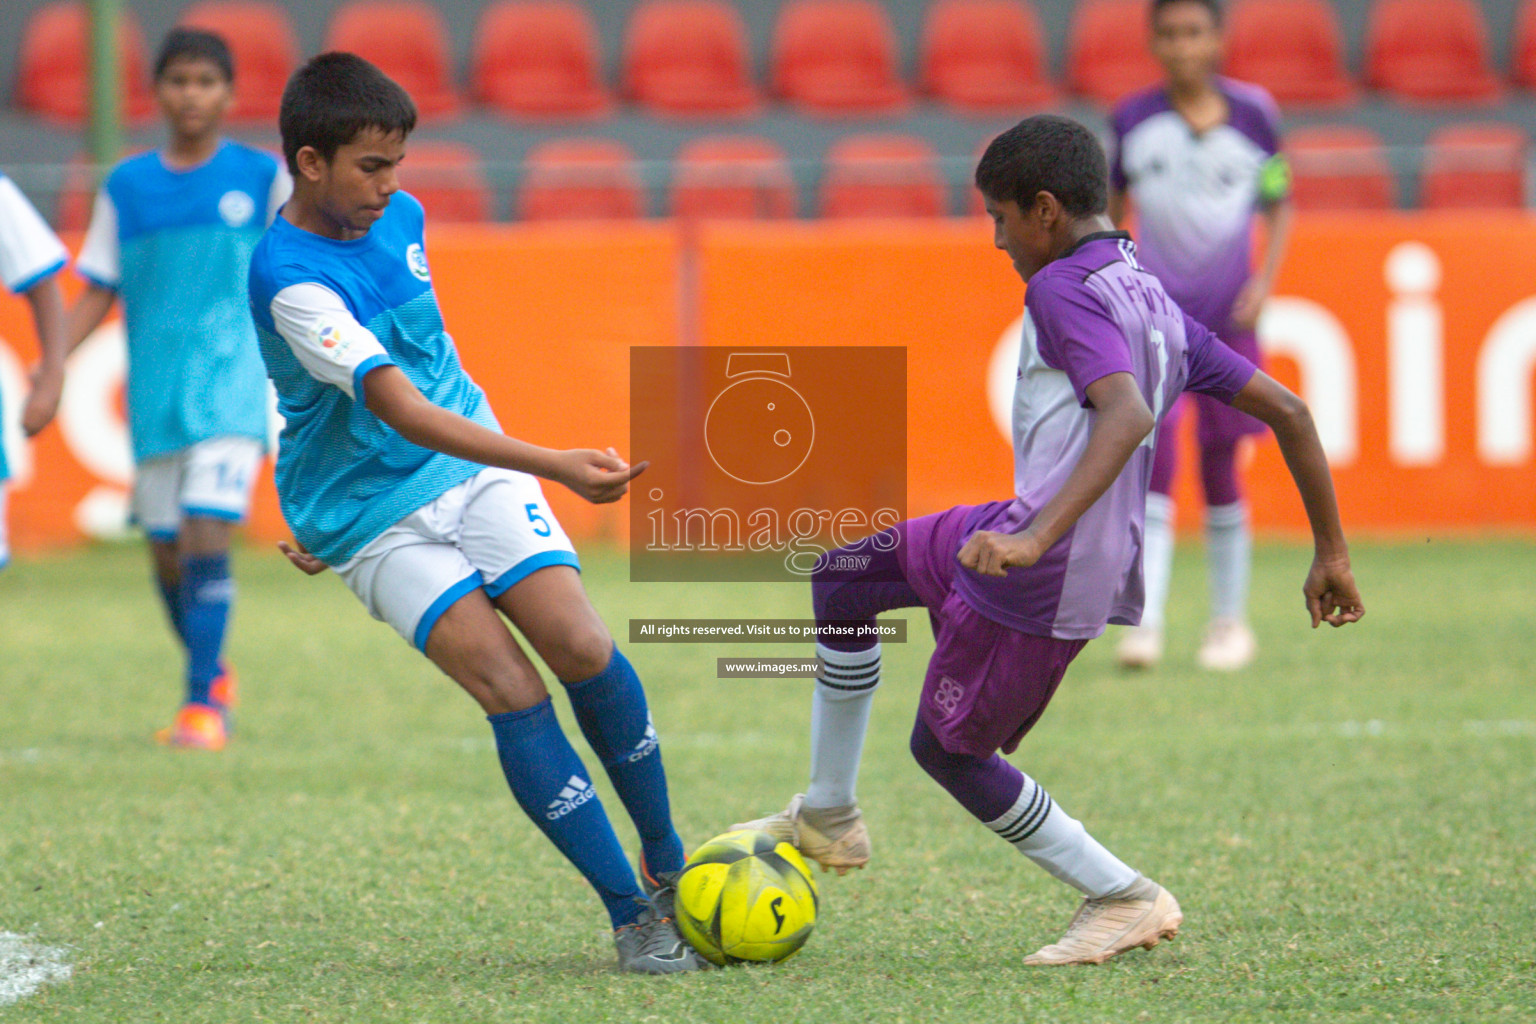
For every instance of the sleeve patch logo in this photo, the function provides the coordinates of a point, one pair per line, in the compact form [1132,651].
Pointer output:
[417,261]
[332,341]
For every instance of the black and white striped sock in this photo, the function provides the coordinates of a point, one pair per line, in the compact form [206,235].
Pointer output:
[839,718]
[1039,829]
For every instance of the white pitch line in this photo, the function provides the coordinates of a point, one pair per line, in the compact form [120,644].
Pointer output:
[26,967]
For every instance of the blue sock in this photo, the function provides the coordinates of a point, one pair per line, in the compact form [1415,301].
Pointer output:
[552,787]
[207,591]
[611,709]
[171,595]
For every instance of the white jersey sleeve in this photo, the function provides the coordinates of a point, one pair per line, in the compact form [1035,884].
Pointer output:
[100,259]
[282,188]
[326,338]
[29,250]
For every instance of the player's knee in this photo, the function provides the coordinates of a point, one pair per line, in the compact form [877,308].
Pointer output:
[926,750]
[825,588]
[581,652]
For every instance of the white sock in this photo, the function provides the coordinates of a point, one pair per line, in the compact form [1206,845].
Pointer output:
[1230,551]
[1056,841]
[839,718]
[1157,557]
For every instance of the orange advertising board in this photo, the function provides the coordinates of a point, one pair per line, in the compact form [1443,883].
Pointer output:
[1412,336]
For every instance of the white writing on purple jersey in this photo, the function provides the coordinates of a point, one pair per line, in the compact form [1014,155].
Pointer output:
[1091,313]
[1195,193]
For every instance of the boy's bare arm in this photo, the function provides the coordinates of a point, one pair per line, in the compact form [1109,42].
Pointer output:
[1330,590]
[1122,422]
[47,301]
[597,476]
[89,310]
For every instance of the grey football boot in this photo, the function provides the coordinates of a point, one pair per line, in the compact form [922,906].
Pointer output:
[653,945]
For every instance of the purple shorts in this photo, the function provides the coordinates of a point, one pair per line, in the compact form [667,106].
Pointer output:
[987,684]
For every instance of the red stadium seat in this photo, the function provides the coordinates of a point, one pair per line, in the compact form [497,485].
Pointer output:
[1290,47]
[261,40]
[1339,167]
[1433,51]
[985,56]
[53,76]
[837,57]
[1475,166]
[449,180]
[689,57]
[1523,60]
[408,41]
[735,177]
[539,59]
[882,176]
[1107,55]
[580,179]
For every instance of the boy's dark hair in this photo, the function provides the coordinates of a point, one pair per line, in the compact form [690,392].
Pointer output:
[1214,6]
[334,97]
[1046,153]
[195,44]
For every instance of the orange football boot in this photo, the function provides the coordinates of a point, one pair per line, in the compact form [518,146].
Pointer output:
[197,726]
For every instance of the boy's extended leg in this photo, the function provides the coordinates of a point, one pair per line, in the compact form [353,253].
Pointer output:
[551,608]
[907,566]
[1122,909]
[472,645]
[985,688]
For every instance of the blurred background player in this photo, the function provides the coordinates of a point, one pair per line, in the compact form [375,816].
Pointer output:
[1197,156]
[1104,356]
[171,234]
[393,470]
[31,257]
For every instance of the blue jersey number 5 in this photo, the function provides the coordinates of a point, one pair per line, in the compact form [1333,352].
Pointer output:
[540,524]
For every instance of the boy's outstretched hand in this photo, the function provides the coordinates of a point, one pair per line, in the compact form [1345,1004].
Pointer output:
[1332,596]
[600,477]
[308,563]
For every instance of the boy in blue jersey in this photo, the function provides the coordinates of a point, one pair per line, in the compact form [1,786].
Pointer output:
[171,235]
[31,257]
[392,470]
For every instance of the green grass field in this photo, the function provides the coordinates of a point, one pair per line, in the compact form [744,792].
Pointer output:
[1351,826]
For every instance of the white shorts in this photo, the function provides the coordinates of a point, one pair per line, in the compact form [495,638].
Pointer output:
[491,531]
[212,480]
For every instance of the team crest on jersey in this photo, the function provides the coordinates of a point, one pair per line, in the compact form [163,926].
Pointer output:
[236,208]
[417,261]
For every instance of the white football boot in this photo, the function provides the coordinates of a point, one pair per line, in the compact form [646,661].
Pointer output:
[840,847]
[1229,646]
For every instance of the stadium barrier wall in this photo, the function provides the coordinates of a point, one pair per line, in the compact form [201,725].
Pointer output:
[1413,337]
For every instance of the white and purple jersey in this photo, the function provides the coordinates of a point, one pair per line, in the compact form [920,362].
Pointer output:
[1093,312]
[1195,194]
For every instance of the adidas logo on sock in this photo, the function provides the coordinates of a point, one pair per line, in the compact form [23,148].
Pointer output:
[649,742]
[576,792]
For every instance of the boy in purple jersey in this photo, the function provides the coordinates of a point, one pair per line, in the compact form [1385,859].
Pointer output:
[1197,156]
[1015,588]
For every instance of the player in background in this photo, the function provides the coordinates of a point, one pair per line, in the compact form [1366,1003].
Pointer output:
[171,235]
[1016,588]
[1197,156]
[392,470]
[31,257]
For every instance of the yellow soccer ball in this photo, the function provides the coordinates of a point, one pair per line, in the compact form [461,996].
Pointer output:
[745,896]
